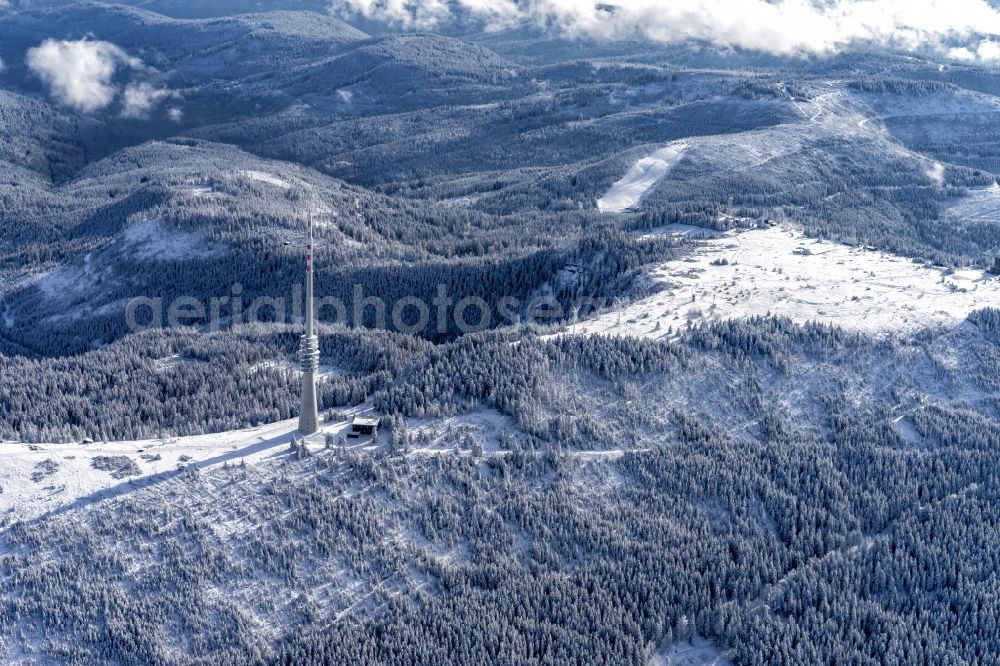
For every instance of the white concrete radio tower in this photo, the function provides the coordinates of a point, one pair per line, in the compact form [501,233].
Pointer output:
[309,350]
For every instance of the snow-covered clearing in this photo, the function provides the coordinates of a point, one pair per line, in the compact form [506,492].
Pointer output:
[264,177]
[779,271]
[442,435]
[645,173]
[950,103]
[150,239]
[694,652]
[980,205]
[168,363]
[39,478]
[71,290]
[147,240]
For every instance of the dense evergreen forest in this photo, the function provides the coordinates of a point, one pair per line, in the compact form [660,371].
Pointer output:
[779,532]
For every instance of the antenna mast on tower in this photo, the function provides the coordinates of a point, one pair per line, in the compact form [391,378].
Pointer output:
[309,349]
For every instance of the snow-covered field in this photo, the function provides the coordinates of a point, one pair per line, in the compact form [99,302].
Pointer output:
[39,478]
[150,239]
[779,271]
[645,173]
[263,177]
[980,205]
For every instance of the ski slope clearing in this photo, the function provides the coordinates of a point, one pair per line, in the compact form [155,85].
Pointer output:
[779,271]
[645,173]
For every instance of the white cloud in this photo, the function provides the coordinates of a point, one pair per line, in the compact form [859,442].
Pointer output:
[139,98]
[419,14]
[961,53]
[986,50]
[79,73]
[774,26]
[175,114]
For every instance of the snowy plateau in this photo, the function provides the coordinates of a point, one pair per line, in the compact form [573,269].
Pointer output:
[778,271]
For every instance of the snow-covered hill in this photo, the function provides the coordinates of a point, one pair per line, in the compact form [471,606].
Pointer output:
[779,271]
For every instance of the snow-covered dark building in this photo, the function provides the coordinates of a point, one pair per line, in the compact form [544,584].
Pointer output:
[364,425]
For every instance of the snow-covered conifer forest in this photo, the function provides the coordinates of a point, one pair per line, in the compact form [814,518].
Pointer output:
[681,322]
